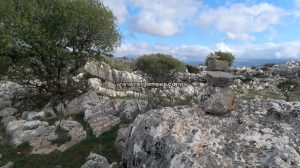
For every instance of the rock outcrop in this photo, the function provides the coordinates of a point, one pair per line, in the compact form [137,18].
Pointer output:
[187,137]
[105,73]
[40,134]
[289,70]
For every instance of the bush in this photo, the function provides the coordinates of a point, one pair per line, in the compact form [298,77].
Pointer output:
[226,56]
[159,67]
[287,87]
[192,69]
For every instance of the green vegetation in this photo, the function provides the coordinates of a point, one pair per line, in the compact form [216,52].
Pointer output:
[159,67]
[192,69]
[74,157]
[49,40]
[227,56]
[287,87]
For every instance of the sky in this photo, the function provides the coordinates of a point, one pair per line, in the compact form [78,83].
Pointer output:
[191,29]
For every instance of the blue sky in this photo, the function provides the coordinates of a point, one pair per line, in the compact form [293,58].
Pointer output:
[191,29]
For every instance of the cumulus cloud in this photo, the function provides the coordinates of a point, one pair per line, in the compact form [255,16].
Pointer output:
[118,7]
[197,53]
[238,21]
[163,18]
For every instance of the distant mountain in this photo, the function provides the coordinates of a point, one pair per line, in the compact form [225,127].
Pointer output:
[251,62]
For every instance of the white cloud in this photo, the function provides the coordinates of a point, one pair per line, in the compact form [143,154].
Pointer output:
[119,8]
[163,18]
[197,53]
[238,21]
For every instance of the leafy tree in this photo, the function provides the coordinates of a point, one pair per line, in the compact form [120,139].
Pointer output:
[227,56]
[44,42]
[287,87]
[159,67]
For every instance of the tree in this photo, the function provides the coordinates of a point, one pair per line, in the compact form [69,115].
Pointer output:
[159,67]
[227,56]
[46,41]
[287,87]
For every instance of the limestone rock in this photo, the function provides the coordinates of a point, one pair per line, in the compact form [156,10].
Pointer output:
[105,73]
[217,65]
[27,115]
[8,112]
[87,101]
[6,120]
[182,137]
[95,161]
[128,109]
[217,100]
[101,122]
[4,103]
[40,135]
[218,78]
[99,69]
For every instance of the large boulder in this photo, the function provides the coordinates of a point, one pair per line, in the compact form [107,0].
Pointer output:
[95,161]
[99,112]
[186,137]
[89,101]
[217,100]
[217,65]
[219,78]
[99,69]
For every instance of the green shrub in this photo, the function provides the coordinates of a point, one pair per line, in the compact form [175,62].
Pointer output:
[287,87]
[159,67]
[192,69]
[226,56]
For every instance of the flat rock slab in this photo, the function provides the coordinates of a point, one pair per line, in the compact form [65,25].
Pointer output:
[219,78]
[217,65]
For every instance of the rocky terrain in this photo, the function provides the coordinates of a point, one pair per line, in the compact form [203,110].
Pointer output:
[221,117]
